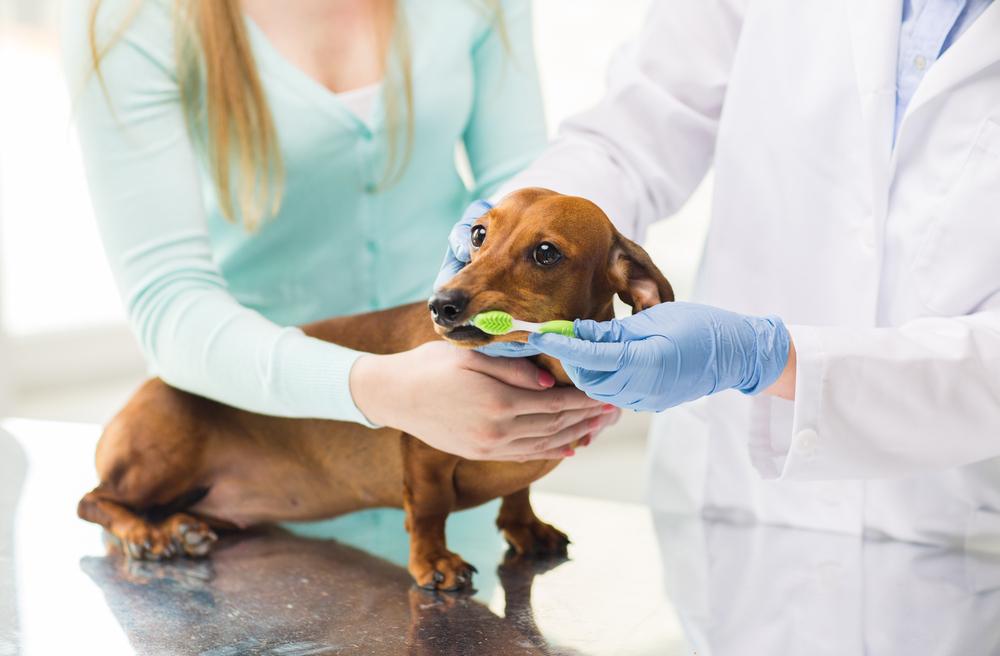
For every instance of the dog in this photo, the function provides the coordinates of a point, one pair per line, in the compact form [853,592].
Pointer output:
[173,465]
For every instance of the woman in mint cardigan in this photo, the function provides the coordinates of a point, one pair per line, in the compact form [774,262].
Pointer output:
[347,113]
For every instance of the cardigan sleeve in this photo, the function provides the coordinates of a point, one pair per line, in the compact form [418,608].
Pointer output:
[146,190]
[506,130]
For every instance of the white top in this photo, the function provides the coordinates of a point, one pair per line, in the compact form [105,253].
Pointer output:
[361,100]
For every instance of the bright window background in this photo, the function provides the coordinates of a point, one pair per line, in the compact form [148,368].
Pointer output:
[55,277]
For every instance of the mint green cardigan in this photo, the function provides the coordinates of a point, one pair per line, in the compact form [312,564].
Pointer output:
[212,305]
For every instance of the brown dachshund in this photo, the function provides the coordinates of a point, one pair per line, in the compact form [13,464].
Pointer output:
[172,464]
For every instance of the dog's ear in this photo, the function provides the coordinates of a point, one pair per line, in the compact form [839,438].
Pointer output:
[634,277]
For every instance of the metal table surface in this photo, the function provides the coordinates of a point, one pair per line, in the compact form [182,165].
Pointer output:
[635,583]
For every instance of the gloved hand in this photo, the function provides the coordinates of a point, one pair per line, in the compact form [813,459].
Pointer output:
[457,256]
[669,354]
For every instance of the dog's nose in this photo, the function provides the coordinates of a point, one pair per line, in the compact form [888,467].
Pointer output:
[446,306]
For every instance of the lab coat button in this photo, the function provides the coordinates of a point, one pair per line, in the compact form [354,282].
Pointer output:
[868,233]
[805,441]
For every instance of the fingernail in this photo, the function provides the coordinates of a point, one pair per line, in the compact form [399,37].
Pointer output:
[568,453]
[607,408]
[546,379]
[585,441]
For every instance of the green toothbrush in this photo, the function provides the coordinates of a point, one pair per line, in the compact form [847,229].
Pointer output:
[496,322]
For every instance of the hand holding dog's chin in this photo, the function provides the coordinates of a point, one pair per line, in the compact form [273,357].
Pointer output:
[475,406]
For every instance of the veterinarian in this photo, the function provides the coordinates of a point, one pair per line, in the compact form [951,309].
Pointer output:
[260,164]
[852,266]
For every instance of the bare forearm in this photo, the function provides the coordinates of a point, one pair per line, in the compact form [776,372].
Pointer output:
[784,387]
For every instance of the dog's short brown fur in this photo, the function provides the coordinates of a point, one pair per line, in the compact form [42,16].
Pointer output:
[172,464]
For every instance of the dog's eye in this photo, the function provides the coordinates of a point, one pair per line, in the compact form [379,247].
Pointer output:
[478,236]
[546,254]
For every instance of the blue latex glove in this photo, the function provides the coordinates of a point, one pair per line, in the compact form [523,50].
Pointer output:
[669,354]
[457,256]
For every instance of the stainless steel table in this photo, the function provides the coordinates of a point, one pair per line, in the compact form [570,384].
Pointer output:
[635,583]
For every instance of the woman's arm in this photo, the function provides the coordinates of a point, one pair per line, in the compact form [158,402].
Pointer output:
[144,182]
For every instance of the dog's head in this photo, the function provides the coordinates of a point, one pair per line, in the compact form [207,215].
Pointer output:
[540,256]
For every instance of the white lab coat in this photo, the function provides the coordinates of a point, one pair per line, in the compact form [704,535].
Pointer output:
[884,261]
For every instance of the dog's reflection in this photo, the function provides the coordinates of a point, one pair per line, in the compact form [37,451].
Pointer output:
[271,592]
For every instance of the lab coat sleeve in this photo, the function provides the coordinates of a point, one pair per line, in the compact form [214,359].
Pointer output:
[887,402]
[506,129]
[144,183]
[643,149]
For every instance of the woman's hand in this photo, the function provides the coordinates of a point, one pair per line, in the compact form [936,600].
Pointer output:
[675,352]
[475,406]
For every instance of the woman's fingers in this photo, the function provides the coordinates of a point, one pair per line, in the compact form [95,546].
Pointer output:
[552,446]
[561,445]
[529,379]
[551,402]
[608,418]
[474,406]
[545,425]
[534,434]
[517,372]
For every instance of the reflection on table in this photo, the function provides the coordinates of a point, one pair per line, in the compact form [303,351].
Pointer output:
[324,588]
[750,589]
[272,592]
[635,584]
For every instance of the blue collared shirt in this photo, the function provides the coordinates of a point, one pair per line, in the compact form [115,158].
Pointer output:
[929,28]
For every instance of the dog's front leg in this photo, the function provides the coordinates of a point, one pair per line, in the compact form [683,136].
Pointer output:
[428,498]
[524,531]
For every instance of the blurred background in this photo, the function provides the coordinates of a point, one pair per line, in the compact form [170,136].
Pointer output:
[65,350]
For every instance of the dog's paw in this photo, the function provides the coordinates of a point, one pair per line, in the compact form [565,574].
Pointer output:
[442,571]
[425,601]
[146,542]
[184,574]
[535,538]
[190,535]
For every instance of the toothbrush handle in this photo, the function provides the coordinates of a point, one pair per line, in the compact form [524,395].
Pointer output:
[561,327]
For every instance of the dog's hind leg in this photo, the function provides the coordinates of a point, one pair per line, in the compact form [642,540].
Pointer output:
[140,538]
[524,531]
[428,498]
[151,464]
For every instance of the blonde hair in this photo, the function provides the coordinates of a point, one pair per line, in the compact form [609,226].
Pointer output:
[227,112]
